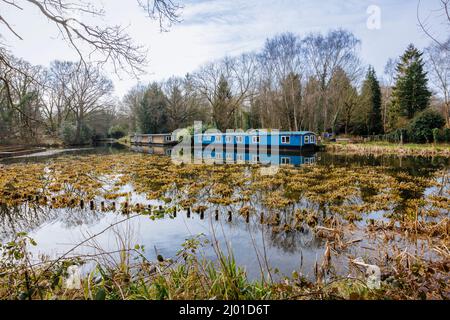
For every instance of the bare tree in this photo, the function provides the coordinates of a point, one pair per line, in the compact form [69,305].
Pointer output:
[110,43]
[281,61]
[386,89]
[439,71]
[56,95]
[183,102]
[442,17]
[87,92]
[324,54]
[21,98]
[130,105]
[239,73]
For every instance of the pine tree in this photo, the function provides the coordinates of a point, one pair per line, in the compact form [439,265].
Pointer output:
[370,119]
[152,111]
[223,112]
[410,94]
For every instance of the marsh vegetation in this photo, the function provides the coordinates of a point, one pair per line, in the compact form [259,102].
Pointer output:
[140,226]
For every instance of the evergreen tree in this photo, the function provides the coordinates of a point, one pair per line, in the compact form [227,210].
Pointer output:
[152,111]
[371,104]
[410,94]
[223,112]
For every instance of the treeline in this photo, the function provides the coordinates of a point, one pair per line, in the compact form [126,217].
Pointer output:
[68,102]
[317,83]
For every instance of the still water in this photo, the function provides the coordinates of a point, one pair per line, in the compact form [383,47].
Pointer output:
[256,246]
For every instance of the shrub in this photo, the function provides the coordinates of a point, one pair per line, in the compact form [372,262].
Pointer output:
[68,134]
[445,135]
[116,132]
[421,127]
[397,135]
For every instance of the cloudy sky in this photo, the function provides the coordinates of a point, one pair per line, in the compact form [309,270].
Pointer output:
[212,29]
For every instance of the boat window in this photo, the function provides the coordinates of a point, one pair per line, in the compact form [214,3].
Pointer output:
[239,139]
[229,139]
[286,139]
[255,139]
[240,157]
[255,158]
[218,138]
[168,138]
[306,139]
[285,160]
[313,139]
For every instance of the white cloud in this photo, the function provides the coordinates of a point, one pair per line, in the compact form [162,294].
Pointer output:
[215,28]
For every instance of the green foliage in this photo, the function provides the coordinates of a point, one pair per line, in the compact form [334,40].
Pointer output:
[445,135]
[411,94]
[371,101]
[435,135]
[222,113]
[69,134]
[398,135]
[151,113]
[117,132]
[422,126]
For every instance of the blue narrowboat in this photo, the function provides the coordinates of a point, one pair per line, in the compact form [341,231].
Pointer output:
[257,138]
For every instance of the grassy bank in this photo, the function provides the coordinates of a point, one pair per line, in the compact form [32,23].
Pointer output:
[390,148]
[189,276]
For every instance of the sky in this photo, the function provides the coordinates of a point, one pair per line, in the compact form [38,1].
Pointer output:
[212,29]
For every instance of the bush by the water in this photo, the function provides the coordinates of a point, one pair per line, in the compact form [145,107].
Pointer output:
[69,134]
[421,127]
[117,132]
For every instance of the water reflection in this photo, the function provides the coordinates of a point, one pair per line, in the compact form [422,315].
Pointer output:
[295,158]
[158,150]
[286,243]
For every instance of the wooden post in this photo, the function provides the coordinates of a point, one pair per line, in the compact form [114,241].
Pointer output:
[247,217]
[175,212]
[114,206]
[92,205]
[261,219]
[102,204]
[82,204]
[202,214]
[188,213]
[217,215]
[230,216]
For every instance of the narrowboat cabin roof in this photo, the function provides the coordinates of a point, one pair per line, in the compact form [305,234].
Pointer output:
[152,134]
[302,133]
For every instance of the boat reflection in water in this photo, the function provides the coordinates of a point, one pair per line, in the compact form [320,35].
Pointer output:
[159,150]
[208,156]
[253,157]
